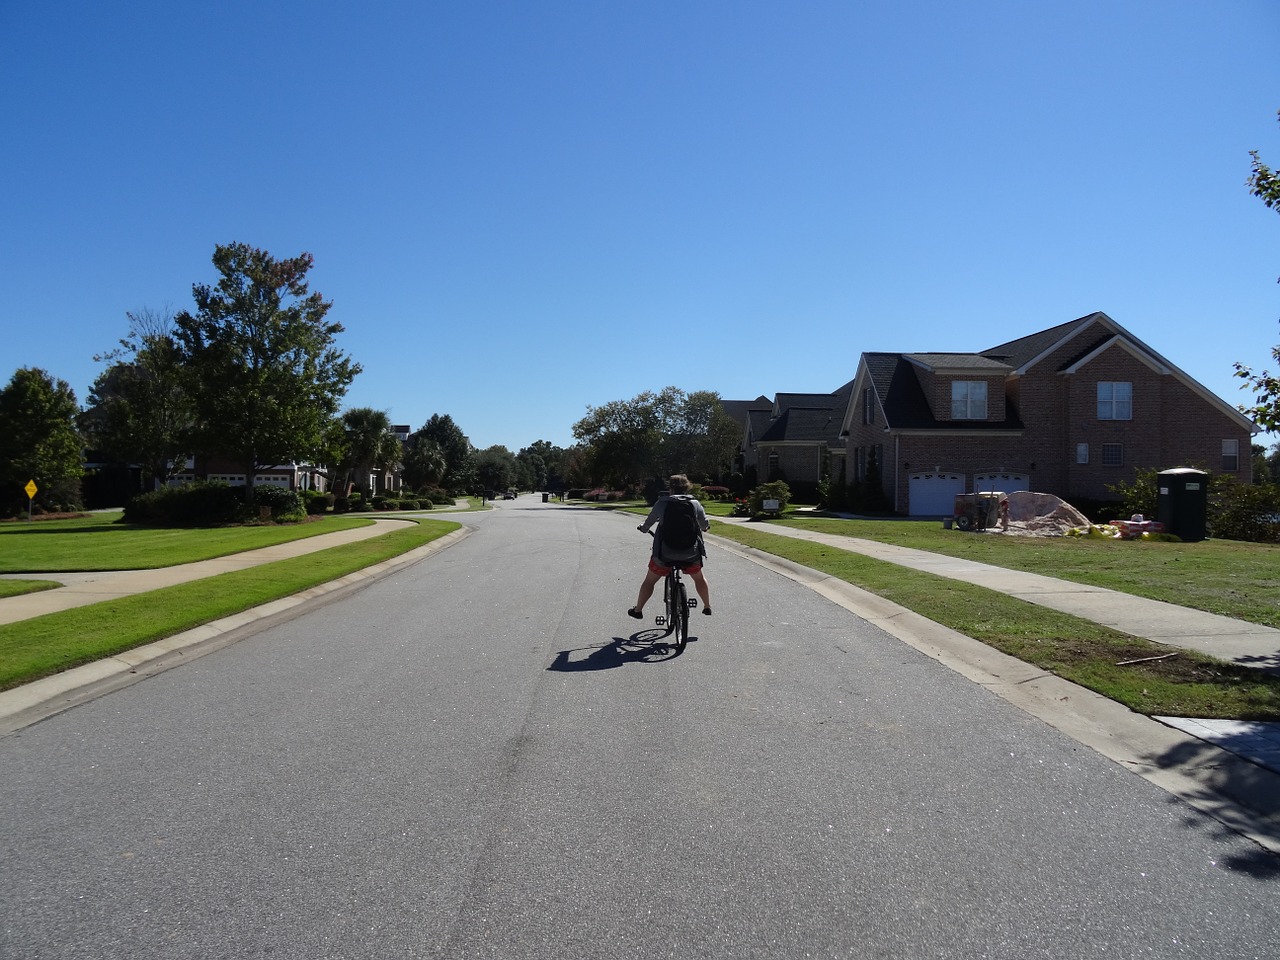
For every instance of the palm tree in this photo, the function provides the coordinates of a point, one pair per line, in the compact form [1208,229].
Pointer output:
[370,445]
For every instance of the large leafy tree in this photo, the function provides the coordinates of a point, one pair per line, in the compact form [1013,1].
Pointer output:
[543,465]
[1263,183]
[497,469]
[139,410]
[657,434]
[625,437]
[264,374]
[459,455]
[38,424]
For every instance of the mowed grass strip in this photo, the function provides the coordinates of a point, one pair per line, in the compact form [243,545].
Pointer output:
[1226,577]
[40,647]
[97,542]
[1186,685]
[16,588]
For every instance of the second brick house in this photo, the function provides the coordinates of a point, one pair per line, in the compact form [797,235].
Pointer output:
[1070,410]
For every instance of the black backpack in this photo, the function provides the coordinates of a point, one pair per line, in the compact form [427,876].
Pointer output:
[679,528]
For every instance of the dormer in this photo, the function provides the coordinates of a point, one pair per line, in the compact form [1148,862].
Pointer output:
[961,386]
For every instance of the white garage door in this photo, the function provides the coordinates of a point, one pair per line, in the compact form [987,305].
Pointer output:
[933,494]
[1005,482]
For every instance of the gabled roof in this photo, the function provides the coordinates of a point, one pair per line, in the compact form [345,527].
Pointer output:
[803,417]
[805,425]
[904,404]
[1090,335]
[738,409]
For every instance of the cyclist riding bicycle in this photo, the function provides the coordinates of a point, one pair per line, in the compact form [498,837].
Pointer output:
[675,550]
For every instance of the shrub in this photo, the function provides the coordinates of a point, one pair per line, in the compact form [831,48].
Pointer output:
[278,503]
[777,490]
[341,504]
[199,504]
[1244,511]
[317,502]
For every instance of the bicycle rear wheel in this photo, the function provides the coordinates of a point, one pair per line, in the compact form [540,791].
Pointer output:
[681,605]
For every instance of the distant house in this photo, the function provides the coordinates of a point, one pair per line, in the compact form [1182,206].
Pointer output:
[795,437]
[1069,411]
[741,411]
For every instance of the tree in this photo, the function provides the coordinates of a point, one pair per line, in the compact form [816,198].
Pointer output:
[38,424]
[368,444]
[139,410]
[496,468]
[459,455]
[656,435]
[424,464]
[625,437]
[1264,184]
[263,373]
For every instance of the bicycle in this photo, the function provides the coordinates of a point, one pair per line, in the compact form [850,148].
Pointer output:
[676,605]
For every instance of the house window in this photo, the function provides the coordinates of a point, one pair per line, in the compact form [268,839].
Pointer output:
[1115,400]
[969,400]
[1230,455]
[773,465]
[1113,454]
[868,411]
[1082,453]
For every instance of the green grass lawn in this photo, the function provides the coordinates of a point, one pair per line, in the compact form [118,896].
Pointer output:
[35,648]
[1226,577]
[98,542]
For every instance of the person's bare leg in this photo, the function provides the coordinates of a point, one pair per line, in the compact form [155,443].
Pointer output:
[704,591]
[646,591]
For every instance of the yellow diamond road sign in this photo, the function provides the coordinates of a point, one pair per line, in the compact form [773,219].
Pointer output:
[31,488]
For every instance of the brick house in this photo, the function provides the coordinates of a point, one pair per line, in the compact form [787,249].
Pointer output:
[796,437]
[1069,411]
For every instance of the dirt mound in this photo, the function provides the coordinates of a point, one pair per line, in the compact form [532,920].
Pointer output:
[1041,515]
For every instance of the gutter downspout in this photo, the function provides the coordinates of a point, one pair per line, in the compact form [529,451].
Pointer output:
[897,465]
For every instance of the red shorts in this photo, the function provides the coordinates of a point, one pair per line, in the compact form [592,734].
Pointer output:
[688,566]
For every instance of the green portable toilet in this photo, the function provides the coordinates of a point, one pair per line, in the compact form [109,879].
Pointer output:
[1183,502]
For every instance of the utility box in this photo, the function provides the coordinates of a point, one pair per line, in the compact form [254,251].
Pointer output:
[1183,502]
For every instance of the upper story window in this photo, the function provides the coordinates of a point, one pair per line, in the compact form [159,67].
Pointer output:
[1115,400]
[868,409]
[969,400]
[1230,455]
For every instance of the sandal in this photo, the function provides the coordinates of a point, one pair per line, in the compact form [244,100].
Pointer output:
[633,612]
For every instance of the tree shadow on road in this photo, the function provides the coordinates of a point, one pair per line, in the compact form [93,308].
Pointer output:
[646,646]
[1241,795]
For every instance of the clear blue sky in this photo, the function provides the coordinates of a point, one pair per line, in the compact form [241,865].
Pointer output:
[513,205]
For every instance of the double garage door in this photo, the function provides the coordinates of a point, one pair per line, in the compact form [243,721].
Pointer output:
[933,494]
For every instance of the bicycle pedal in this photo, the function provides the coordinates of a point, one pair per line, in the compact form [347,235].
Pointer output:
[691,603]
[660,621]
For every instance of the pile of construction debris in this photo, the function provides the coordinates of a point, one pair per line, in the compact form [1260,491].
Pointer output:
[1040,515]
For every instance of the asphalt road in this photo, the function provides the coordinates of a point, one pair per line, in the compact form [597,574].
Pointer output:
[482,756]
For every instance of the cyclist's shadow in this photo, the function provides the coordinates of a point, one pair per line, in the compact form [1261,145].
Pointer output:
[646,646]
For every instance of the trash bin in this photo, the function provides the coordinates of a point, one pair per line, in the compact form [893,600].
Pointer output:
[546,497]
[1182,504]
